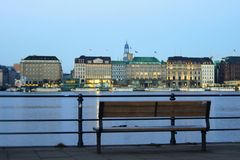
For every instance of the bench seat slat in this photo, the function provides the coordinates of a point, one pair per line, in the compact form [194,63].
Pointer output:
[153,128]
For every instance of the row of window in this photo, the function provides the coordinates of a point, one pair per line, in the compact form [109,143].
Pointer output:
[79,69]
[119,69]
[210,74]
[42,73]
[119,77]
[208,70]
[207,78]
[187,63]
[207,81]
[185,78]
[208,66]
[175,72]
[119,74]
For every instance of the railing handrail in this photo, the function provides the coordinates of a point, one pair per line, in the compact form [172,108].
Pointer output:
[122,95]
[80,119]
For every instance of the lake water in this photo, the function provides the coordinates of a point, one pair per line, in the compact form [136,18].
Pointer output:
[67,108]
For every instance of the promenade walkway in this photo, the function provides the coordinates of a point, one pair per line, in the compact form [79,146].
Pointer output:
[228,151]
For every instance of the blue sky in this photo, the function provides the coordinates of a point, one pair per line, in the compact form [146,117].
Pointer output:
[70,28]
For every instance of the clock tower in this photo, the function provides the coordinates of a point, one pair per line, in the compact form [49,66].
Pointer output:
[127,56]
[126,48]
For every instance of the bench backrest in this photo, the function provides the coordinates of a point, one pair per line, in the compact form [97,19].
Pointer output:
[127,109]
[155,109]
[171,109]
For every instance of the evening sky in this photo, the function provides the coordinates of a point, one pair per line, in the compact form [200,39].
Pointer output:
[160,28]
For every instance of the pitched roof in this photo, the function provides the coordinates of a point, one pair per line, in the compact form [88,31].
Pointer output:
[91,58]
[232,59]
[190,59]
[41,58]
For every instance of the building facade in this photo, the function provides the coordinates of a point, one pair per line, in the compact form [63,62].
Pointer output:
[41,69]
[93,71]
[13,75]
[119,75]
[229,69]
[17,67]
[8,76]
[217,72]
[144,72]
[1,79]
[208,75]
[184,72]
[4,77]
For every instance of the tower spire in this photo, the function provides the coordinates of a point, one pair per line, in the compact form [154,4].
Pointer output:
[127,56]
[126,48]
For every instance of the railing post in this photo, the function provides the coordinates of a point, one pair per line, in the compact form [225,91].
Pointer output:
[173,139]
[80,124]
[172,97]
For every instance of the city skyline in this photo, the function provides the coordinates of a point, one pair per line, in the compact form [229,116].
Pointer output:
[69,29]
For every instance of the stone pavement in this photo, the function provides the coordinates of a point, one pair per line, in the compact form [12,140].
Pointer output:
[228,151]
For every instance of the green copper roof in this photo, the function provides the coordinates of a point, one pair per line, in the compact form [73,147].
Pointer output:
[145,60]
[217,62]
[118,62]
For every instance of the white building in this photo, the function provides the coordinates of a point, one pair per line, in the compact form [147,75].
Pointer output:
[80,70]
[208,77]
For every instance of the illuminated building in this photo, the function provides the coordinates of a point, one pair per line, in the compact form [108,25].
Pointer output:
[145,72]
[184,72]
[93,71]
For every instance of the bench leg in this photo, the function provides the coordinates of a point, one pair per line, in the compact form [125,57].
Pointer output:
[204,140]
[98,142]
[173,138]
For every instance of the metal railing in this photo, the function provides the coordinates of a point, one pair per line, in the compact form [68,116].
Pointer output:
[80,120]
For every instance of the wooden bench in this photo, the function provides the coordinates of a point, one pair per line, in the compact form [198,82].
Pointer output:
[146,109]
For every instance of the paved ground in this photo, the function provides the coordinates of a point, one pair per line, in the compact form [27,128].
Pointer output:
[163,152]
